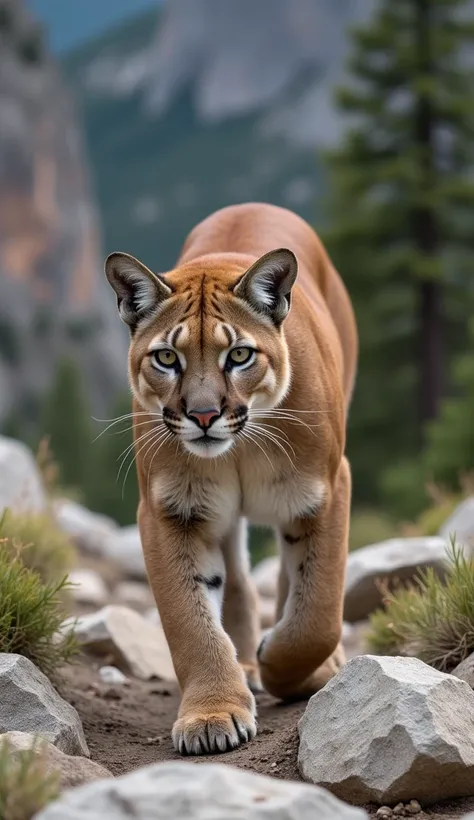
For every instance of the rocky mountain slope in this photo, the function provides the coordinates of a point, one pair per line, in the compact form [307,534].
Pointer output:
[54,300]
[203,103]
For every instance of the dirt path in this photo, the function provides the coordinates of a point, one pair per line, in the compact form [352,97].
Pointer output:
[130,726]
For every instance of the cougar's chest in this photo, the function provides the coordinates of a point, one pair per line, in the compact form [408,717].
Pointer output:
[211,499]
[276,498]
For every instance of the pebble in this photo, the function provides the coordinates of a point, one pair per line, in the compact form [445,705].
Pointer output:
[400,810]
[112,675]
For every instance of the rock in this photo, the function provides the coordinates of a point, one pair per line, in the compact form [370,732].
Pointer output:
[390,729]
[89,587]
[267,608]
[28,703]
[184,791]
[460,524]
[134,594]
[112,675]
[21,487]
[138,646]
[91,532]
[465,670]
[395,559]
[126,549]
[265,575]
[73,770]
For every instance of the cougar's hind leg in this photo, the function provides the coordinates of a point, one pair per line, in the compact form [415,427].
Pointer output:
[302,652]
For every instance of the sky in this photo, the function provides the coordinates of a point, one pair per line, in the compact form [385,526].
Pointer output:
[69,23]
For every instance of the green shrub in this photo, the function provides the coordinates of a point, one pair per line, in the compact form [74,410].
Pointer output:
[370,527]
[403,488]
[450,438]
[31,614]
[65,419]
[25,785]
[40,544]
[432,619]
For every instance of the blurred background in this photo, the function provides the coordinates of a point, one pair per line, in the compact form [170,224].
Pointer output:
[124,122]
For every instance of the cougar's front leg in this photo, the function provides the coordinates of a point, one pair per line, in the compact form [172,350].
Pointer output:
[241,605]
[302,652]
[187,575]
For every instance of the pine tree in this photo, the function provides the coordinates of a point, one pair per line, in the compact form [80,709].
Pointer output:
[450,448]
[110,489]
[66,420]
[400,232]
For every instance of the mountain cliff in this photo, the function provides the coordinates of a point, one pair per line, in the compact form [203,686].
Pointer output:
[203,103]
[54,300]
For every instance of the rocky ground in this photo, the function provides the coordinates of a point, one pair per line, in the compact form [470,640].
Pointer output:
[392,735]
[129,726]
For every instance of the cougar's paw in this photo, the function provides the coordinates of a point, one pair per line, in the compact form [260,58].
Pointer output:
[292,681]
[213,732]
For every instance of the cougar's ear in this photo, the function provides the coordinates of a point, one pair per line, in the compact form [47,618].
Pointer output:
[266,286]
[139,291]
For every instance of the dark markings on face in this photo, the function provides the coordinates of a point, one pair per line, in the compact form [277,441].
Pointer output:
[227,333]
[203,313]
[176,334]
[216,306]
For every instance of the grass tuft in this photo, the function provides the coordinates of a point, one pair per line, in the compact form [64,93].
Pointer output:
[31,613]
[39,542]
[432,619]
[25,785]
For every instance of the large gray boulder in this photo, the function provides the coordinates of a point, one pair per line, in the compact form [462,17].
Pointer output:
[21,487]
[465,670]
[137,645]
[88,587]
[90,531]
[386,730]
[460,524]
[29,703]
[397,559]
[209,791]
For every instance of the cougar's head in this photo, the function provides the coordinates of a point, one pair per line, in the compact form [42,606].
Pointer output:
[207,343]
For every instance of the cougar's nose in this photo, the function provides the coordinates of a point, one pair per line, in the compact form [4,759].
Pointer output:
[204,417]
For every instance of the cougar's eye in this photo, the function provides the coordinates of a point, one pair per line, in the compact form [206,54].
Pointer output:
[166,358]
[240,355]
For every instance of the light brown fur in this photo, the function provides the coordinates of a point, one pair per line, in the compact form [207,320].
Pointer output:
[290,472]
